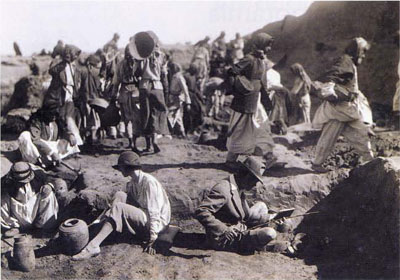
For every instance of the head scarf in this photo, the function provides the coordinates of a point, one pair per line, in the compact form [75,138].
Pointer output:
[174,68]
[261,40]
[72,50]
[93,60]
[355,46]
[299,71]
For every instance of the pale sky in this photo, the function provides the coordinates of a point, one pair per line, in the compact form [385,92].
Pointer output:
[90,24]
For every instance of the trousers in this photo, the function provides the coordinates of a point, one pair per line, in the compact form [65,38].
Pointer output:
[124,214]
[357,137]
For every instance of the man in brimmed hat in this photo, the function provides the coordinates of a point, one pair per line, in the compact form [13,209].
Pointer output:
[224,212]
[27,198]
[150,215]
[153,86]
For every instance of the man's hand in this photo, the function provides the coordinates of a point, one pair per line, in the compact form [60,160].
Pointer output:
[72,140]
[149,247]
[55,158]
[230,235]
[353,96]
[188,107]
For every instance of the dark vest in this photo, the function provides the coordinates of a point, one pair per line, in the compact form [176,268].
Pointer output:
[247,103]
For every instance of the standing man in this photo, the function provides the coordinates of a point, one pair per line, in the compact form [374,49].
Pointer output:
[179,99]
[201,60]
[153,86]
[125,82]
[89,91]
[150,215]
[112,45]
[64,88]
[245,78]
[219,47]
[345,109]
[224,212]
[238,45]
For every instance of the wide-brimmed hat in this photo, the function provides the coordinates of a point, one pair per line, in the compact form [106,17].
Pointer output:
[255,166]
[21,172]
[141,45]
[128,158]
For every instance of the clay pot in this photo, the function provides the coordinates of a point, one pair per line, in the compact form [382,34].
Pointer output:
[74,235]
[24,256]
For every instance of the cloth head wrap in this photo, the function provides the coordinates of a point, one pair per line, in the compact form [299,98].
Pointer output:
[262,40]
[355,46]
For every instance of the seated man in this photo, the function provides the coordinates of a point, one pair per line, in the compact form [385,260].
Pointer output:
[144,210]
[224,212]
[27,199]
[47,139]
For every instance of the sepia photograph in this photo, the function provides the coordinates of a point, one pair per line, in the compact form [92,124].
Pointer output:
[204,140]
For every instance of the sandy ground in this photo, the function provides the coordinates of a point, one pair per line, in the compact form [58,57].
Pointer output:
[185,170]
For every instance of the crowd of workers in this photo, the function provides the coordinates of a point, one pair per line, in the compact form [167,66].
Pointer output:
[144,93]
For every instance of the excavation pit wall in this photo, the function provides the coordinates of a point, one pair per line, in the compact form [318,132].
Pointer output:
[354,235]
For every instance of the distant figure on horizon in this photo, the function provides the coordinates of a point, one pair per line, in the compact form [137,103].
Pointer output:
[112,45]
[219,47]
[17,49]
[204,42]
[58,49]
[238,45]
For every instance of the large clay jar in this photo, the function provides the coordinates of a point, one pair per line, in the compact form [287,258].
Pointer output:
[74,235]
[24,256]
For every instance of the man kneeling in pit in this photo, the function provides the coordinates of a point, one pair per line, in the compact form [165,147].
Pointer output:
[144,210]
[225,214]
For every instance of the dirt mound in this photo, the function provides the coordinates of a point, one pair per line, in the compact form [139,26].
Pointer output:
[316,38]
[356,234]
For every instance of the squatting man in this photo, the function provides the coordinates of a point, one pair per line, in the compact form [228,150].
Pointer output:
[144,209]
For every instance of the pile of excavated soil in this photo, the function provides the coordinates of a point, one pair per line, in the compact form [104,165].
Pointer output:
[356,234]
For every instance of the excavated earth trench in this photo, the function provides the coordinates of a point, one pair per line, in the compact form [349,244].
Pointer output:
[355,233]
